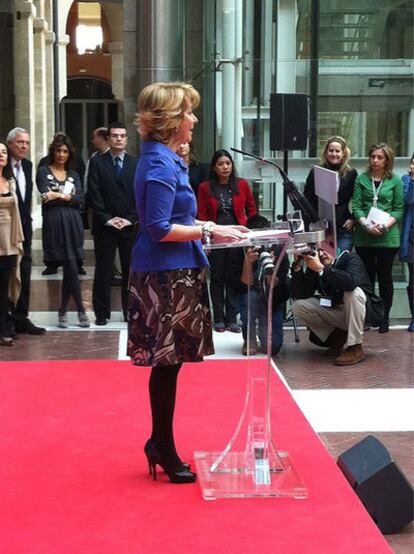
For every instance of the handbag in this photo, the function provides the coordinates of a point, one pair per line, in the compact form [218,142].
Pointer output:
[375,309]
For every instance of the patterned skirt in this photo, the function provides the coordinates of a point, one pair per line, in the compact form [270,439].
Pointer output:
[169,319]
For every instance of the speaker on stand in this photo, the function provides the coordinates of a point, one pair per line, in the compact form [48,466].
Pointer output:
[289,124]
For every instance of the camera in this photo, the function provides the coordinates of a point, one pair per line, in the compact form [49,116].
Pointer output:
[266,263]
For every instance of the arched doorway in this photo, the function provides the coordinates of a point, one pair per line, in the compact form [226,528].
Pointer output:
[90,102]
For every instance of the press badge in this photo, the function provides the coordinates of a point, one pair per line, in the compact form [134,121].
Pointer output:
[325,301]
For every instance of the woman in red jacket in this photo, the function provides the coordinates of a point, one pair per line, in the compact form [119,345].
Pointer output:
[227,200]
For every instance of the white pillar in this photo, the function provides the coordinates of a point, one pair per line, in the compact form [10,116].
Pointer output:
[286,47]
[228,14]
[410,142]
[25,12]
[40,28]
[238,84]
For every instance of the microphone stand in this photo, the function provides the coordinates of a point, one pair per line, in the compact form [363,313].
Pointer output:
[297,199]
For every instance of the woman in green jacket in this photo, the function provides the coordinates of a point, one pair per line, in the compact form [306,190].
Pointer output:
[377,237]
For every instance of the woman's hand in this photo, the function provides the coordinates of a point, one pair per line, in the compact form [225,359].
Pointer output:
[50,195]
[348,225]
[229,233]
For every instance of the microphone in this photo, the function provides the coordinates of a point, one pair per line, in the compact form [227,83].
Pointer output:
[299,202]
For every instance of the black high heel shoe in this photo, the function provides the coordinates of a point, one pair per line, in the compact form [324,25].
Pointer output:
[151,445]
[179,475]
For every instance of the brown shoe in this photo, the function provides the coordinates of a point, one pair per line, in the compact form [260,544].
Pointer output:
[252,348]
[352,355]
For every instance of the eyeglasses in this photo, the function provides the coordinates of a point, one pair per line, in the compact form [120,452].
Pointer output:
[118,135]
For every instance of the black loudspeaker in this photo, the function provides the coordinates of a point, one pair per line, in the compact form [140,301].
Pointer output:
[378,481]
[288,121]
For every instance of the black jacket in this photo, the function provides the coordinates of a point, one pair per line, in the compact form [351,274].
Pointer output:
[345,274]
[111,195]
[346,188]
[25,204]
[281,292]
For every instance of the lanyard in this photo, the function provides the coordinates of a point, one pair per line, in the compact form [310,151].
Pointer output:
[375,191]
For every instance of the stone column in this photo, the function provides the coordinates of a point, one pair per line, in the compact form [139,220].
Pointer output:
[25,13]
[40,28]
[50,38]
[116,49]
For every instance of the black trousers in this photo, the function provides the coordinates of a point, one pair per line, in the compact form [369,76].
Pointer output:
[223,297]
[107,241]
[21,310]
[6,265]
[378,263]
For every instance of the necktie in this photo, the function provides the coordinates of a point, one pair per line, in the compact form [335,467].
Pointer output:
[20,178]
[118,165]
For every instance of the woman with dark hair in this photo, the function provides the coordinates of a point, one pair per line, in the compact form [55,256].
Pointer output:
[197,172]
[11,242]
[376,235]
[62,230]
[335,156]
[226,200]
[168,317]
[407,236]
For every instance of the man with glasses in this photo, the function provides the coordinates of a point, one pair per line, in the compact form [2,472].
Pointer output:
[331,296]
[111,200]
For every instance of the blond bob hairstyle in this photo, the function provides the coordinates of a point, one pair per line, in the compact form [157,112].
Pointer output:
[389,158]
[344,167]
[161,108]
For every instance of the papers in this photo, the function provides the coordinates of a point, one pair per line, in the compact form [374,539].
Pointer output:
[377,216]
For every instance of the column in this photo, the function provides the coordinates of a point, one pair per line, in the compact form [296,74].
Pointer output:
[228,18]
[286,47]
[40,28]
[25,12]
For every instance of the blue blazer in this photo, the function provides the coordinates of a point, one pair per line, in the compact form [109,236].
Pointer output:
[164,196]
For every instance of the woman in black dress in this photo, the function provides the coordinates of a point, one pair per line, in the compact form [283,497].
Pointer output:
[61,192]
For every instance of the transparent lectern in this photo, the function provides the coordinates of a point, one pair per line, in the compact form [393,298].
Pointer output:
[251,464]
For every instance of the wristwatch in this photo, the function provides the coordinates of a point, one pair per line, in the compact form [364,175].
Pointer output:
[321,272]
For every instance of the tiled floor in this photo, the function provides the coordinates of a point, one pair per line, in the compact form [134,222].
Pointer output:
[342,404]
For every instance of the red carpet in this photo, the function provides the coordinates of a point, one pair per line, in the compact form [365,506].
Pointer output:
[74,479]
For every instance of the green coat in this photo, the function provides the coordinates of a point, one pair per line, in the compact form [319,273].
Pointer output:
[391,200]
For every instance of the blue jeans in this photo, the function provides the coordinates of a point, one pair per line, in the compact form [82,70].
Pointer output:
[258,321]
[344,240]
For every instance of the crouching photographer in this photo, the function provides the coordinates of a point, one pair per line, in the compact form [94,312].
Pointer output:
[335,300]
[254,268]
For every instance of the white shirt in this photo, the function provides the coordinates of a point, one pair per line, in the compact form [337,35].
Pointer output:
[20,177]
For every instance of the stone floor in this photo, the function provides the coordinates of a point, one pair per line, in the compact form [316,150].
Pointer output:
[343,404]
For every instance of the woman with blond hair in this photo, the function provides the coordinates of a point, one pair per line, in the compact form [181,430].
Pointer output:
[377,242]
[335,156]
[168,316]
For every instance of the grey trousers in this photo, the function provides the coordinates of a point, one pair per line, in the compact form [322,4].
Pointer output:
[321,320]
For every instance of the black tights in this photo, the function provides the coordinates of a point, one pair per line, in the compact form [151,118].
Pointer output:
[162,389]
[71,286]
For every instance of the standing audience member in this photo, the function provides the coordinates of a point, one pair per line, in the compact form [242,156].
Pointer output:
[18,141]
[198,172]
[169,321]
[407,236]
[111,200]
[377,243]
[61,193]
[331,299]
[227,200]
[11,239]
[78,165]
[335,156]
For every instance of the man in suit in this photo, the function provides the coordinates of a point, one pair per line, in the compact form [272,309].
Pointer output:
[112,202]
[18,141]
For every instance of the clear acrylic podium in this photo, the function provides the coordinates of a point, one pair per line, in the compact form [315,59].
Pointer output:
[251,465]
